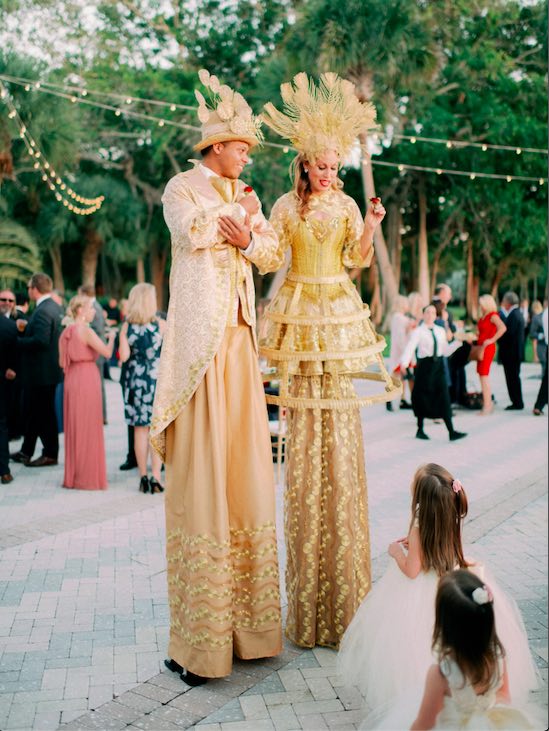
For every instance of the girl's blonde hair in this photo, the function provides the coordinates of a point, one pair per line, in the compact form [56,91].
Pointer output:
[439,503]
[302,184]
[487,303]
[141,304]
[537,307]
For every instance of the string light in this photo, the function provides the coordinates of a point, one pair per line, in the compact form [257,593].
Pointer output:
[472,175]
[49,175]
[51,87]
[484,146]
[401,166]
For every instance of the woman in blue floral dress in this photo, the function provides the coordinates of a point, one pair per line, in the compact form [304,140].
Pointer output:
[140,344]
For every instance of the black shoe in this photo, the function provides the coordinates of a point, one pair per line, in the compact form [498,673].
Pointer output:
[129,464]
[389,406]
[420,434]
[7,478]
[455,435]
[174,666]
[192,679]
[42,461]
[405,405]
[20,457]
[155,485]
[512,407]
[144,484]
[186,676]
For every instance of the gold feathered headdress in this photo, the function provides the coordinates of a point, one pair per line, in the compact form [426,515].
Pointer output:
[229,116]
[315,119]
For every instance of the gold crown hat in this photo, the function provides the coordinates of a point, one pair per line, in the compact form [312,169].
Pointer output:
[229,116]
[318,118]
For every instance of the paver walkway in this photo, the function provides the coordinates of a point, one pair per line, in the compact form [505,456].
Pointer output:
[83,606]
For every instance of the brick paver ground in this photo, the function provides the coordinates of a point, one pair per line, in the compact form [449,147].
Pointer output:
[83,606]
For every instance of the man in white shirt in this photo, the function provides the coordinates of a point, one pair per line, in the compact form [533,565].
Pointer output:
[430,397]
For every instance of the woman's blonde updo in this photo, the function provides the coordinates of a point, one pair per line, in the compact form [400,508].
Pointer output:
[75,305]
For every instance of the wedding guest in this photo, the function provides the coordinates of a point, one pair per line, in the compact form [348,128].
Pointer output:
[401,326]
[8,350]
[541,400]
[490,330]
[11,388]
[38,345]
[79,347]
[511,347]
[537,335]
[22,305]
[140,343]
[430,397]
[7,303]
[98,324]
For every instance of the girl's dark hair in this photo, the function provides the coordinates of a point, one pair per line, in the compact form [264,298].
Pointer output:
[440,511]
[465,631]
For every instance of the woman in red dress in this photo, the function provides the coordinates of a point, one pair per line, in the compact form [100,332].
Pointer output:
[79,347]
[490,329]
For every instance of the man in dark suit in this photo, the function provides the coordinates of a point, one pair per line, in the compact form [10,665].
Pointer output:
[41,373]
[511,348]
[8,352]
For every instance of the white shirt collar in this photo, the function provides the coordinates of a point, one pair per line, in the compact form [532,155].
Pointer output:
[43,298]
[208,172]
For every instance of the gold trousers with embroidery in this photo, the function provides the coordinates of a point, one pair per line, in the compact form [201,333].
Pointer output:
[325,515]
[220,518]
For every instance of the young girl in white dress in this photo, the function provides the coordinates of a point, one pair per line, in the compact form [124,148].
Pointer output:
[468,688]
[387,646]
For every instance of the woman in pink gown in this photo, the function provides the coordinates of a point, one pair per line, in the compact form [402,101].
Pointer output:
[79,347]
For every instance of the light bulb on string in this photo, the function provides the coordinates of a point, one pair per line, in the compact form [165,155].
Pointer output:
[172,107]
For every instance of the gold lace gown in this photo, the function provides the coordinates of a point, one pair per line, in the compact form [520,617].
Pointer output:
[317,333]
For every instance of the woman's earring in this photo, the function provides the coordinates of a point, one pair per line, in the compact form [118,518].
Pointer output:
[306,171]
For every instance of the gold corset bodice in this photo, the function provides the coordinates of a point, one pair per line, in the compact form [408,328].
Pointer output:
[317,247]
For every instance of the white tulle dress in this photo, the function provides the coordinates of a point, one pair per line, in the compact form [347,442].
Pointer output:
[463,709]
[386,650]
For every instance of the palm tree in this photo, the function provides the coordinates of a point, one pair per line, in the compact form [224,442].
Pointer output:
[386,47]
[19,254]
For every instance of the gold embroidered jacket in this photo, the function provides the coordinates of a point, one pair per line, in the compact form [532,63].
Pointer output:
[207,274]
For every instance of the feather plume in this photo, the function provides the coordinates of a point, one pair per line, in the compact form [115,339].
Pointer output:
[315,118]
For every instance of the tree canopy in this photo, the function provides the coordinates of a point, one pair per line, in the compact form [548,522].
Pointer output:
[460,70]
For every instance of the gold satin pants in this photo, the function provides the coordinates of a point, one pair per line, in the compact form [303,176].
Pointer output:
[328,570]
[220,518]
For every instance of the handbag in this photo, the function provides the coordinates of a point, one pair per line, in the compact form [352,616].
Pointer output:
[476,352]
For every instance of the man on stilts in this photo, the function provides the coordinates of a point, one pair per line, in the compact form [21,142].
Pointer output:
[210,420]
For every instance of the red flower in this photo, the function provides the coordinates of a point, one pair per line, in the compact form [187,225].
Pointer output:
[248,189]
[375,201]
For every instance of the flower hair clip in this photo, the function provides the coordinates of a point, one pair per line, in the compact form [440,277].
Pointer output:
[482,595]
[457,486]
